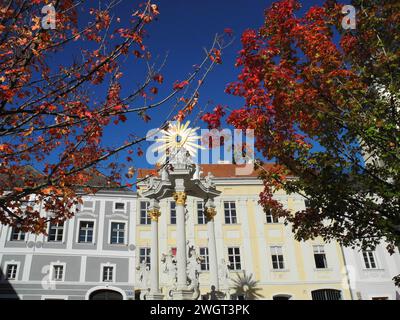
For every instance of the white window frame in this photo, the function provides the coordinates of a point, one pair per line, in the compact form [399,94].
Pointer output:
[269,214]
[319,251]
[147,255]
[120,210]
[274,252]
[207,259]
[125,222]
[204,217]
[369,261]
[114,271]
[79,228]
[240,257]
[57,263]
[6,264]
[170,213]
[272,218]
[148,219]
[48,233]
[11,235]
[230,212]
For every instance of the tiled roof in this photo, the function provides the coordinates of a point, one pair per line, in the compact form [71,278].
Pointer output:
[29,173]
[218,170]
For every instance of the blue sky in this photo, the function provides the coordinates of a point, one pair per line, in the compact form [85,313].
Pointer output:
[183,29]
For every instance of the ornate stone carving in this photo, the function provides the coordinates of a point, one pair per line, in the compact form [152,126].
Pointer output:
[210,213]
[208,180]
[154,214]
[193,269]
[180,198]
[224,274]
[170,268]
[143,279]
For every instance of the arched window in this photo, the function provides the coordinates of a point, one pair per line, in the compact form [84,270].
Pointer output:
[326,294]
[282,297]
[105,295]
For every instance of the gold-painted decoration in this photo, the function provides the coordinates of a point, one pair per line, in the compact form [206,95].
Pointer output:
[154,214]
[180,198]
[210,213]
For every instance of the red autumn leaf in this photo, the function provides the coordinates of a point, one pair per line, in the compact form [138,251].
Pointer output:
[158,78]
[180,85]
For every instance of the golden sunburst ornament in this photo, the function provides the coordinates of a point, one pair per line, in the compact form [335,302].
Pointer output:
[178,138]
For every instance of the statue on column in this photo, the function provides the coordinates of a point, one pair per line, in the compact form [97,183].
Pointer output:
[224,274]
[193,271]
[143,279]
[208,180]
[171,270]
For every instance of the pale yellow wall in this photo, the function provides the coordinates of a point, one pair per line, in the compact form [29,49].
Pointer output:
[297,282]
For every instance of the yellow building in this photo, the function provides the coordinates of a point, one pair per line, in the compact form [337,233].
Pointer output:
[264,259]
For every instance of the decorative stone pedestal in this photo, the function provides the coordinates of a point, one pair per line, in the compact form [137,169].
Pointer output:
[154,296]
[183,294]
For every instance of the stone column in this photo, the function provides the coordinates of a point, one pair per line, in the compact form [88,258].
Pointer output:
[154,213]
[212,247]
[180,200]
[182,292]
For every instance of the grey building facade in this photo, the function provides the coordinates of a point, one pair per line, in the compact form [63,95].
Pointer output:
[91,256]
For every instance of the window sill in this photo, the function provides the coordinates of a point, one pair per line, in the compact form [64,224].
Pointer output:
[280,270]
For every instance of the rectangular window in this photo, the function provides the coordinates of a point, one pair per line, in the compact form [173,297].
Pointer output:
[17,234]
[307,203]
[320,257]
[172,210]
[144,255]
[144,217]
[86,231]
[230,212]
[11,272]
[270,218]
[117,233]
[205,261]
[58,272]
[108,273]
[201,217]
[56,231]
[277,258]
[234,258]
[119,206]
[369,259]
